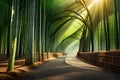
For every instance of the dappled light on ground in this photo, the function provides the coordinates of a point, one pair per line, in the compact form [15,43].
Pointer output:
[58,70]
[80,64]
[20,66]
[4,63]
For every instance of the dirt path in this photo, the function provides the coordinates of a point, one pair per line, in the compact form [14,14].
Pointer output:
[59,70]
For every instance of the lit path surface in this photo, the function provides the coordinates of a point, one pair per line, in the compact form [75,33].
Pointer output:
[73,70]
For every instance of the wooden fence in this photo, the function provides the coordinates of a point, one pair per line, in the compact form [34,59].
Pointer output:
[109,59]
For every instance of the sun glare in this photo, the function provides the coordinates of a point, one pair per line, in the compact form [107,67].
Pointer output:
[96,1]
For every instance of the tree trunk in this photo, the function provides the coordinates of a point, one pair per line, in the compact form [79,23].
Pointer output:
[15,12]
[116,25]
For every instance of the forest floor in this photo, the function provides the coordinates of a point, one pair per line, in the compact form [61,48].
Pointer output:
[4,63]
[63,68]
[60,69]
[20,66]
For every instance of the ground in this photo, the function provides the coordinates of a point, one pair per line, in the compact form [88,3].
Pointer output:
[20,66]
[63,68]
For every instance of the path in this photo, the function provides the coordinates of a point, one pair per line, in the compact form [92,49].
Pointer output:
[59,70]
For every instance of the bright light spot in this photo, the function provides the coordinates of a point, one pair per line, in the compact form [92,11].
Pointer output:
[12,11]
[96,1]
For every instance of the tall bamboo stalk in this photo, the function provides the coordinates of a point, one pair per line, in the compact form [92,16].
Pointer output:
[106,24]
[116,24]
[14,36]
[8,31]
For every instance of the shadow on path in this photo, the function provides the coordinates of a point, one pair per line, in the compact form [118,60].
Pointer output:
[59,70]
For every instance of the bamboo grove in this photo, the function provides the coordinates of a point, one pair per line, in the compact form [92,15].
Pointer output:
[42,26]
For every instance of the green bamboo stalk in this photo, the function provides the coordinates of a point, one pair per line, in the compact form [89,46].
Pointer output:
[106,25]
[14,40]
[119,21]
[30,32]
[40,31]
[116,25]
[11,60]
[91,23]
[43,28]
[8,29]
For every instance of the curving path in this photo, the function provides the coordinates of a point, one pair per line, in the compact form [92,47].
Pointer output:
[59,70]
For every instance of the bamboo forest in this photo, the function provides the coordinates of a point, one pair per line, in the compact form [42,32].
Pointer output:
[59,39]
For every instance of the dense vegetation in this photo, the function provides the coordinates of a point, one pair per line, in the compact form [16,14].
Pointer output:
[42,26]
